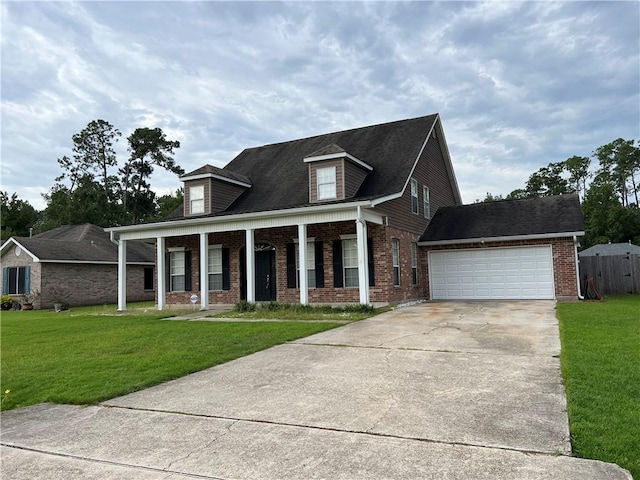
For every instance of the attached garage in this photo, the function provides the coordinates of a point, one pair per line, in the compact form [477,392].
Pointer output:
[492,273]
[521,249]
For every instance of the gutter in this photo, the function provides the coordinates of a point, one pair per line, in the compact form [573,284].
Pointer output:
[575,244]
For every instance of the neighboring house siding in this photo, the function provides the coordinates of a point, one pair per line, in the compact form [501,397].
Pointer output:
[430,171]
[564,262]
[353,178]
[90,284]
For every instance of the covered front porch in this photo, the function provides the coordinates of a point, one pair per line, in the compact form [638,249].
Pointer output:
[257,257]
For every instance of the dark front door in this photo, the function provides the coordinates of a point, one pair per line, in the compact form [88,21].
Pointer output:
[265,275]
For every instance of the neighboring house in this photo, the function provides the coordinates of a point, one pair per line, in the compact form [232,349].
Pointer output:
[349,207]
[614,267]
[75,263]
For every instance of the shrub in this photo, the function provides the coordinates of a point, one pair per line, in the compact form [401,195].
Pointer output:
[244,306]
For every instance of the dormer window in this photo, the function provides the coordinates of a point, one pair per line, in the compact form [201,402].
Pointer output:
[196,199]
[327,183]
[334,174]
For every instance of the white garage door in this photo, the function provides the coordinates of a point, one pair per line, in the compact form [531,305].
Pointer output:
[492,273]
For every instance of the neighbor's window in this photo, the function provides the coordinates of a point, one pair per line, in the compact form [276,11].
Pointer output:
[311,265]
[414,263]
[196,199]
[177,271]
[16,280]
[326,183]
[350,262]
[395,246]
[215,268]
[426,202]
[414,196]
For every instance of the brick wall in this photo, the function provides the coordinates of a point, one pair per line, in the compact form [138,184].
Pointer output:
[564,262]
[9,259]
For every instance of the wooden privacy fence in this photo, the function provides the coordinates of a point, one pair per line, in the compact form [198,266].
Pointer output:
[613,274]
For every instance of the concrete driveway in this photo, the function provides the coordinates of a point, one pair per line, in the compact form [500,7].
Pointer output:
[465,390]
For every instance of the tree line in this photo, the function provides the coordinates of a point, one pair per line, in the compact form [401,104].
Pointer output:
[95,187]
[609,191]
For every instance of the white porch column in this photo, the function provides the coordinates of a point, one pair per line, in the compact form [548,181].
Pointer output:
[162,286]
[204,271]
[251,265]
[363,267]
[122,275]
[302,250]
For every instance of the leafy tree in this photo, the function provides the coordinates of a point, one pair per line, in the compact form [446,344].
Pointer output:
[149,148]
[167,204]
[620,166]
[578,168]
[16,216]
[547,181]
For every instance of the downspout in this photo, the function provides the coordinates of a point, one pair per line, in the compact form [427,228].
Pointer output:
[575,244]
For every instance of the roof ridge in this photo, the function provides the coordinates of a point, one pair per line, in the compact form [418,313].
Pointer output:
[365,127]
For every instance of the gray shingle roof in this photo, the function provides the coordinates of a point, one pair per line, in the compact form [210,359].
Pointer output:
[280,178]
[506,218]
[217,171]
[83,243]
[609,249]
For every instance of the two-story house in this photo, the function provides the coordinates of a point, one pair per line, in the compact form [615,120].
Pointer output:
[333,218]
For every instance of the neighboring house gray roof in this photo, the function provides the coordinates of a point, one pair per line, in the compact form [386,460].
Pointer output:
[545,216]
[279,176]
[82,243]
[610,249]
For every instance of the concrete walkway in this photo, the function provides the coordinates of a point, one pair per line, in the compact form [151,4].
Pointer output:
[434,391]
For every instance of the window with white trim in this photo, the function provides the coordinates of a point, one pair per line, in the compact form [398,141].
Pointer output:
[414,263]
[395,251]
[350,262]
[215,267]
[426,202]
[326,179]
[196,199]
[311,264]
[177,271]
[414,196]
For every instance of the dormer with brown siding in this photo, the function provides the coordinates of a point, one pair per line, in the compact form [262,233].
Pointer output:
[334,174]
[210,190]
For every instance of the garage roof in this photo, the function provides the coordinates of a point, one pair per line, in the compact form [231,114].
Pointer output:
[544,217]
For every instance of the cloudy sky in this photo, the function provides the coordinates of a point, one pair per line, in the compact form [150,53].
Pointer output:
[517,85]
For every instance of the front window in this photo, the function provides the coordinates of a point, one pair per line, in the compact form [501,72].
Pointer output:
[427,203]
[177,271]
[414,263]
[326,183]
[215,268]
[311,265]
[414,196]
[16,280]
[196,199]
[350,262]
[395,245]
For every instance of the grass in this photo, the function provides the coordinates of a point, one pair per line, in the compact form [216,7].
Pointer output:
[87,355]
[601,369]
[289,311]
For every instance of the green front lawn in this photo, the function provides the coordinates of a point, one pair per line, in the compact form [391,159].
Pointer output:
[601,368]
[88,355]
